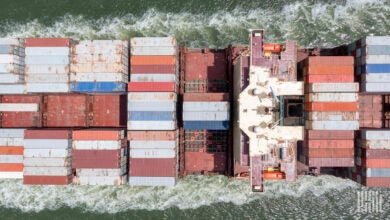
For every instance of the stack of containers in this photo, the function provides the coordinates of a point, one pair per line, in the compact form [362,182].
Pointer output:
[20,111]
[370,111]
[12,66]
[47,65]
[99,157]
[99,66]
[372,158]
[11,153]
[152,122]
[372,56]
[331,111]
[47,157]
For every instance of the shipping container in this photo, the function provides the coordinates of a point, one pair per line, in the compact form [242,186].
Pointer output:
[148,144]
[12,41]
[376,50]
[94,87]
[152,125]
[374,144]
[48,42]
[332,116]
[11,158]
[153,167]
[47,78]
[151,105]
[375,134]
[109,111]
[47,69]
[153,69]
[11,175]
[374,181]
[153,78]
[47,171]
[47,162]
[153,41]
[102,163]
[375,68]
[329,61]
[13,89]
[375,163]
[205,106]
[11,167]
[47,60]
[337,144]
[152,181]
[47,87]
[332,106]
[17,133]
[151,87]
[113,57]
[375,59]
[376,87]
[152,135]
[153,51]
[47,51]
[331,97]
[100,180]
[210,65]
[101,172]
[376,78]
[332,87]
[66,110]
[99,77]
[202,161]
[11,150]
[206,116]
[21,111]
[329,78]
[98,68]
[11,78]
[11,142]
[47,180]
[206,97]
[332,125]
[330,70]
[374,153]
[152,153]
[152,116]
[152,96]
[330,152]
[153,60]
[39,153]
[113,154]
[330,135]
[47,134]
[97,145]
[331,162]
[46,143]
[98,134]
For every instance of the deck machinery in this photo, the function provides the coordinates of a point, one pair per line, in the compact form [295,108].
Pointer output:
[268,115]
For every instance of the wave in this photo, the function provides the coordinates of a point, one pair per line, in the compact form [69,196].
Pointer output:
[190,193]
[310,24]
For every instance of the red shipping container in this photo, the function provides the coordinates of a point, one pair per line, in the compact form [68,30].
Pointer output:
[376,154]
[151,87]
[66,110]
[329,78]
[375,181]
[152,135]
[330,152]
[329,61]
[47,134]
[202,161]
[331,70]
[102,163]
[329,135]
[156,69]
[330,144]
[153,60]
[96,154]
[11,167]
[98,134]
[47,180]
[332,106]
[21,119]
[109,111]
[210,65]
[48,42]
[154,167]
[331,162]
[11,150]
[376,163]
[206,97]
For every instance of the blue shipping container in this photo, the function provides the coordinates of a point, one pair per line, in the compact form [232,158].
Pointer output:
[98,87]
[375,68]
[151,116]
[206,125]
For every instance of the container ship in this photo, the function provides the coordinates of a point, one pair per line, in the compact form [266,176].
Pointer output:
[147,111]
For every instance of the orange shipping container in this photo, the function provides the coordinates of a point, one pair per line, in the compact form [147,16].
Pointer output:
[11,167]
[332,106]
[330,144]
[329,78]
[331,70]
[153,60]
[330,152]
[97,134]
[376,163]
[7,150]
[329,61]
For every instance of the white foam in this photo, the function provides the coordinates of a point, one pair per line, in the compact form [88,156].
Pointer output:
[190,193]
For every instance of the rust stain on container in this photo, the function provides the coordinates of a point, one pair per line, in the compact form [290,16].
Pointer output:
[66,110]
[152,135]
[158,167]
[109,111]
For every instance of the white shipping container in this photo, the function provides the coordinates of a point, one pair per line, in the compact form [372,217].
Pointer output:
[151,96]
[16,133]
[99,68]
[100,49]
[47,51]
[11,141]
[332,125]
[18,107]
[152,144]
[101,43]
[47,87]
[13,89]
[10,58]
[376,59]
[47,143]
[47,69]
[100,58]
[47,78]
[11,158]
[96,77]
[151,125]
[11,78]
[100,180]
[375,134]
[152,181]
[48,152]
[153,77]
[376,144]
[152,153]
[159,106]
[96,145]
[376,87]
[47,162]
[205,106]
[333,87]
[11,68]
[153,51]
[11,175]
[332,97]
[332,116]
[205,116]
[47,171]
[376,78]
[153,41]
[101,172]
[376,40]
[12,41]
[47,60]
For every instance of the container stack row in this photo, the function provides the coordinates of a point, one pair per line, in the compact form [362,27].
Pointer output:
[206,111]
[47,157]
[372,158]
[99,157]
[99,66]
[371,111]
[12,65]
[372,63]
[331,104]
[152,102]
[11,153]
[47,65]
